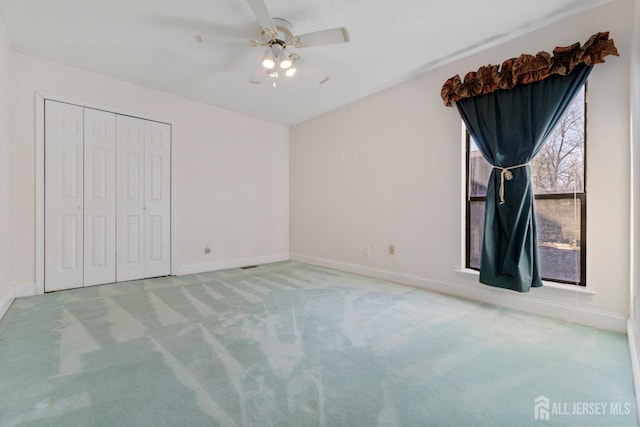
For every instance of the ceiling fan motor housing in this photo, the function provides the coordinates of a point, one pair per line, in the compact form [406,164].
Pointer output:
[283,36]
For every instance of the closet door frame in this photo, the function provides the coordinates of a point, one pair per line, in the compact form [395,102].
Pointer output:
[38,287]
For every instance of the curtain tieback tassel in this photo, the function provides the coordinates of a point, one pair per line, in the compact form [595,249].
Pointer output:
[505,174]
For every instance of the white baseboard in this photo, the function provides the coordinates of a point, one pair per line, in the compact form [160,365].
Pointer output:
[635,362]
[6,302]
[233,263]
[25,290]
[501,297]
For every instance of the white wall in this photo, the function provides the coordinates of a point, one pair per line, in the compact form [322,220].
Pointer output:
[231,174]
[634,322]
[6,243]
[388,169]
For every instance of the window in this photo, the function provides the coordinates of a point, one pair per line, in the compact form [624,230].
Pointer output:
[558,178]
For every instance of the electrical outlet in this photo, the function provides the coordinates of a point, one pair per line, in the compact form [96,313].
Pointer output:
[207,250]
[392,249]
[366,250]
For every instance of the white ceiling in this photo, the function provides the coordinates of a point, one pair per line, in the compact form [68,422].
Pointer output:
[151,43]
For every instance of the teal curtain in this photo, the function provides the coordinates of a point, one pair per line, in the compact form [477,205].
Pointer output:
[510,127]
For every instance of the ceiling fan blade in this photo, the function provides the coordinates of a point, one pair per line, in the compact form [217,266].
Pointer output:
[307,69]
[208,31]
[222,40]
[319,38]
[259,8]
[259,74]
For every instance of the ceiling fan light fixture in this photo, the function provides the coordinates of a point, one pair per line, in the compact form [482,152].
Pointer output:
[286,61]
[269,60]
[278,36]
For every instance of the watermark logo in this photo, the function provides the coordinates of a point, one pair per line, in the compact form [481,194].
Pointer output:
[541,408]
[544,408]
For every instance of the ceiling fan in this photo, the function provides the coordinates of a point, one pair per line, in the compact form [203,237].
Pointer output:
[279,39]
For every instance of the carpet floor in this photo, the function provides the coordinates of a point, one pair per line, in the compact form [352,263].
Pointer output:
[289,344]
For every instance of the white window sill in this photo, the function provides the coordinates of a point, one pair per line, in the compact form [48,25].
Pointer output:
[467,272]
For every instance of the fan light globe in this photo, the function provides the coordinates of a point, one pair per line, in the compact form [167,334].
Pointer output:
[286,62]
[269,61]
[290,72]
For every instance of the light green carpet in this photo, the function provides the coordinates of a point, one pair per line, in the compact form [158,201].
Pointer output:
[289,344]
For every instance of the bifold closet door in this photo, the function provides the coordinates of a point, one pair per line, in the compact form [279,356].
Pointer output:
[143,192]
[64,147]
[157,199]
[107,197]
[80,214]
[130,205]
[99,197]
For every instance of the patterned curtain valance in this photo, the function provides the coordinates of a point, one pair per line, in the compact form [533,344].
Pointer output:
[527,69]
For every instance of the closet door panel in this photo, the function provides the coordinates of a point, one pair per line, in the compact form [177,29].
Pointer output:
[130,198]
[157,199]
[63,245]
[99,197]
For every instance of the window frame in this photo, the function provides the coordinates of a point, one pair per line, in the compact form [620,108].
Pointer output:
[547,196]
